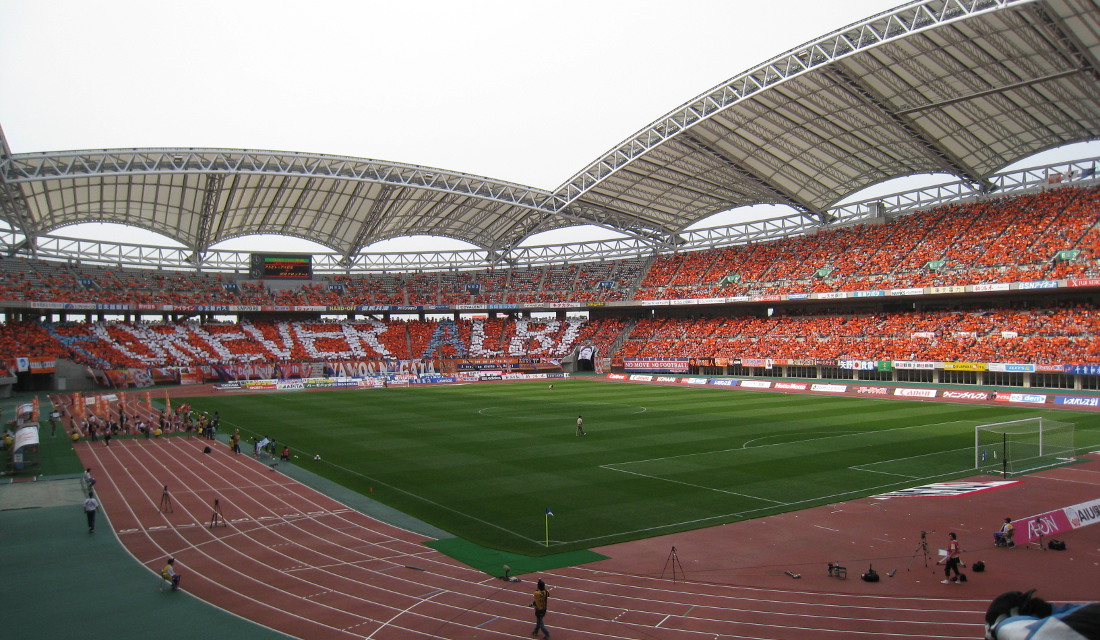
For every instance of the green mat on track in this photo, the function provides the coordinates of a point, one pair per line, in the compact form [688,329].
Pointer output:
[492,561]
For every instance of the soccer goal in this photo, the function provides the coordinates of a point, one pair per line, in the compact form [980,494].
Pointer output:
[1018,446]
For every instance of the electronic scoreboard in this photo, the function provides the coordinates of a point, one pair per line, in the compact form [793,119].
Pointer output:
[285,266]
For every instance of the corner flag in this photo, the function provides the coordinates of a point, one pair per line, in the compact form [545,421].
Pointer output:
[549,512]
[547,519]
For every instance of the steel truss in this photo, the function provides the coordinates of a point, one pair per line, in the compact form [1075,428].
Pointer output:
[50,247]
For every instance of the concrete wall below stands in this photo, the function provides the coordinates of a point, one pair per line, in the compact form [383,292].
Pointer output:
[70,376]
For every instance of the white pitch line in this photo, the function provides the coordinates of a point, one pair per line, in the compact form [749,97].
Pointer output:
[886,473]
[690,484]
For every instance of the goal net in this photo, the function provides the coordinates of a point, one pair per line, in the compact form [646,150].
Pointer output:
[1018,446]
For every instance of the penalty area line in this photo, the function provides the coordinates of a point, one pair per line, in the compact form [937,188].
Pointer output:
[885,473]
[691,484]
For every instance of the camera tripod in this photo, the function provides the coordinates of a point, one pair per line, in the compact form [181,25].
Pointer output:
[217,518]
[673,561]
[922,546]
[166,501]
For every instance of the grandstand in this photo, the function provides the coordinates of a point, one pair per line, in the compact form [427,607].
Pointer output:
[995,279]
[991,278]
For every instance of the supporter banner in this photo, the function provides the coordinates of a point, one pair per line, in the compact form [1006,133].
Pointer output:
[368,368]
[1077,401]
[41,365]
[281,371]
[1032,398]
[122,378]
[192,375]
[923,334]
[756,362]
[671,365]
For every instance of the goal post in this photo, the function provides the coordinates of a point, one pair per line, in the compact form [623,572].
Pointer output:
[1018,446]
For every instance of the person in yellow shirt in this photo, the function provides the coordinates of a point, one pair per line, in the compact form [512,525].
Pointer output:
[539,603]
[169,574]
[1006,537]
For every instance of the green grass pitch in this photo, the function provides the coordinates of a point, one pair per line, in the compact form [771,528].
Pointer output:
[485,461]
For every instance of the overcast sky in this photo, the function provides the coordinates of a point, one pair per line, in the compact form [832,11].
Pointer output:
[522,91]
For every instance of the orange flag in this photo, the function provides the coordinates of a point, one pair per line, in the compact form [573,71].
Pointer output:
[167,402]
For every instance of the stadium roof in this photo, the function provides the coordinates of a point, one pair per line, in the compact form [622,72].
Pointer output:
[952,86]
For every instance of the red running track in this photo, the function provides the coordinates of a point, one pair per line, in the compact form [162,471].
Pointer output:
[294,560]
